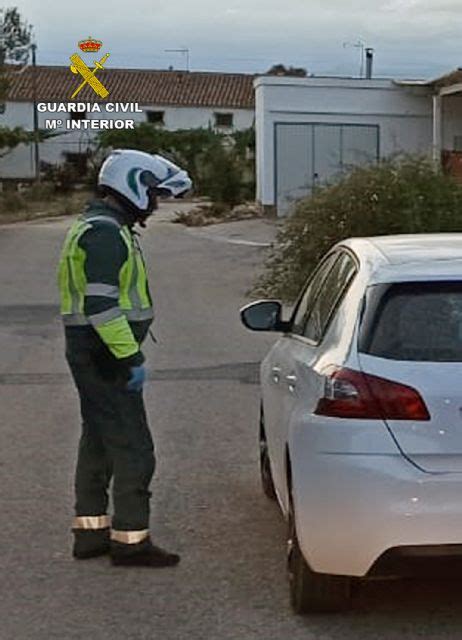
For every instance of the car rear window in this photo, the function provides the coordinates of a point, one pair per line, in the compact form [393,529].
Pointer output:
[416,321]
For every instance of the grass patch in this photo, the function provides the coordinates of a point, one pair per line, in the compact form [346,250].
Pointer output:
[40,201]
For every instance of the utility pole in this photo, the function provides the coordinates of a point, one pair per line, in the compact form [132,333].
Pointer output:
[34,101]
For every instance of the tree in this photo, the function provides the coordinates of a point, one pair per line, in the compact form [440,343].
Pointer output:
[15,39]
[282,70]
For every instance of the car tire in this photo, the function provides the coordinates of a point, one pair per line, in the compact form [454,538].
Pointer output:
[265,465]
[312,592]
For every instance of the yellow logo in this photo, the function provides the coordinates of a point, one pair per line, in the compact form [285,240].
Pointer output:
[78,66]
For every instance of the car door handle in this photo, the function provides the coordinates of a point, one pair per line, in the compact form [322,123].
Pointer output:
[292,382]
[276,374]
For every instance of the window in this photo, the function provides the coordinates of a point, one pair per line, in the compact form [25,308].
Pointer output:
[413,321]
[156,117]
[330,295]
[78,115]
[224,120]
[307,298]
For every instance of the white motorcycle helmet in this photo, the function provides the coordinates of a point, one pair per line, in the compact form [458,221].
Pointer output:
[140,177]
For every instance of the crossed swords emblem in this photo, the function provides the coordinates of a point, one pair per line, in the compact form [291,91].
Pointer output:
[89,75]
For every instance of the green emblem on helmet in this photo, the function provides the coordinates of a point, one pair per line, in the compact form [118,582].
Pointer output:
[132,181]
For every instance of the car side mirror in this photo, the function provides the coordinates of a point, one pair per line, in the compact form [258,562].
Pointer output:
[265,315]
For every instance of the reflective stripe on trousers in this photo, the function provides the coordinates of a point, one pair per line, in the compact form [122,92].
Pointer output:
[91,523]
[129,537]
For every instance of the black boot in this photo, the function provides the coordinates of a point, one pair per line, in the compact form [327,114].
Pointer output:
[143,554]
[90,543]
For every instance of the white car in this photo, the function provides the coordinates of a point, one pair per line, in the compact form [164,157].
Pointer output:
[361,419]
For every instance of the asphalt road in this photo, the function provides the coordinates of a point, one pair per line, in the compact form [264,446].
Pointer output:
[202,399]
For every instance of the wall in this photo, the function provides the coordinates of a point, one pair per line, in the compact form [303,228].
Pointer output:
[452,121]
[404,115]
[196,117]
[19,163]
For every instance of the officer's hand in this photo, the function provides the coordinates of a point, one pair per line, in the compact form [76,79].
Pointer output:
[137,379]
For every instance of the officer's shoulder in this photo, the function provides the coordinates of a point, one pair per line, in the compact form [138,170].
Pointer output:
[99,218]
[100,229]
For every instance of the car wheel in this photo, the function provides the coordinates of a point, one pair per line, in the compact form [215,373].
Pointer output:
[265,466]
[312,592]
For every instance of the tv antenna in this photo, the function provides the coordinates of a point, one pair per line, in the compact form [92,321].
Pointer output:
[184,51]
[360,45]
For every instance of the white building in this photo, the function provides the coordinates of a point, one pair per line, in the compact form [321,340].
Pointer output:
[310,130]
[170,99]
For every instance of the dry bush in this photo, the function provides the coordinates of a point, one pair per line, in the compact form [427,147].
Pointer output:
[402,195]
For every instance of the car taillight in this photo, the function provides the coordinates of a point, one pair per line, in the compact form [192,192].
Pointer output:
[352,394]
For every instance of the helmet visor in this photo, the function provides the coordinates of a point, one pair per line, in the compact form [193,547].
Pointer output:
[149,180]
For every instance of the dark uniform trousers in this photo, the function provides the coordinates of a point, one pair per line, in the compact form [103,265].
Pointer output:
[116,444]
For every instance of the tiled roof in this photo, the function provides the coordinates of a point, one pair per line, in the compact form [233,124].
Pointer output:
[145,86]
[454,77]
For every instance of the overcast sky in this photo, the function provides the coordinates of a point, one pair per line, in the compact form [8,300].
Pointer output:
[411,38]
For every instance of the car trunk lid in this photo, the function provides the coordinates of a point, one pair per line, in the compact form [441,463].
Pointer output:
[411,333]
[434,445]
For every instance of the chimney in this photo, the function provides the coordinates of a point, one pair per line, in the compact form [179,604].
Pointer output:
[369,62]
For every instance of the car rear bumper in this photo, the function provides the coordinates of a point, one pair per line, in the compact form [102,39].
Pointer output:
[439,560]
[353,512]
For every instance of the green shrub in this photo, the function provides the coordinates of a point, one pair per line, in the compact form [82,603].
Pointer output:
[219,165]
[221,176]
[402,195]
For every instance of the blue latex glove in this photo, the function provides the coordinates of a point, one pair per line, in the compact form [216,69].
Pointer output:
[137,378]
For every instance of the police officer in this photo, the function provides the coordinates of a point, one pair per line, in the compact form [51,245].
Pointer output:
[107,311]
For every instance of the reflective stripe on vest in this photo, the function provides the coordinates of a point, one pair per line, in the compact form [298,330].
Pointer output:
[135,315]
[133,293]
[71,270]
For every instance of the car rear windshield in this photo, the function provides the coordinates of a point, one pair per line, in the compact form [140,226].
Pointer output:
[416,321]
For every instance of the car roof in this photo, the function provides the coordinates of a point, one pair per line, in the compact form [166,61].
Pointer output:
[423,256]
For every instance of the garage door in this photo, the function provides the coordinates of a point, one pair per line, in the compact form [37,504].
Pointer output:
[313,154]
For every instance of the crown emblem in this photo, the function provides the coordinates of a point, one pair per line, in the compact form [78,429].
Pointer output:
[90,45]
